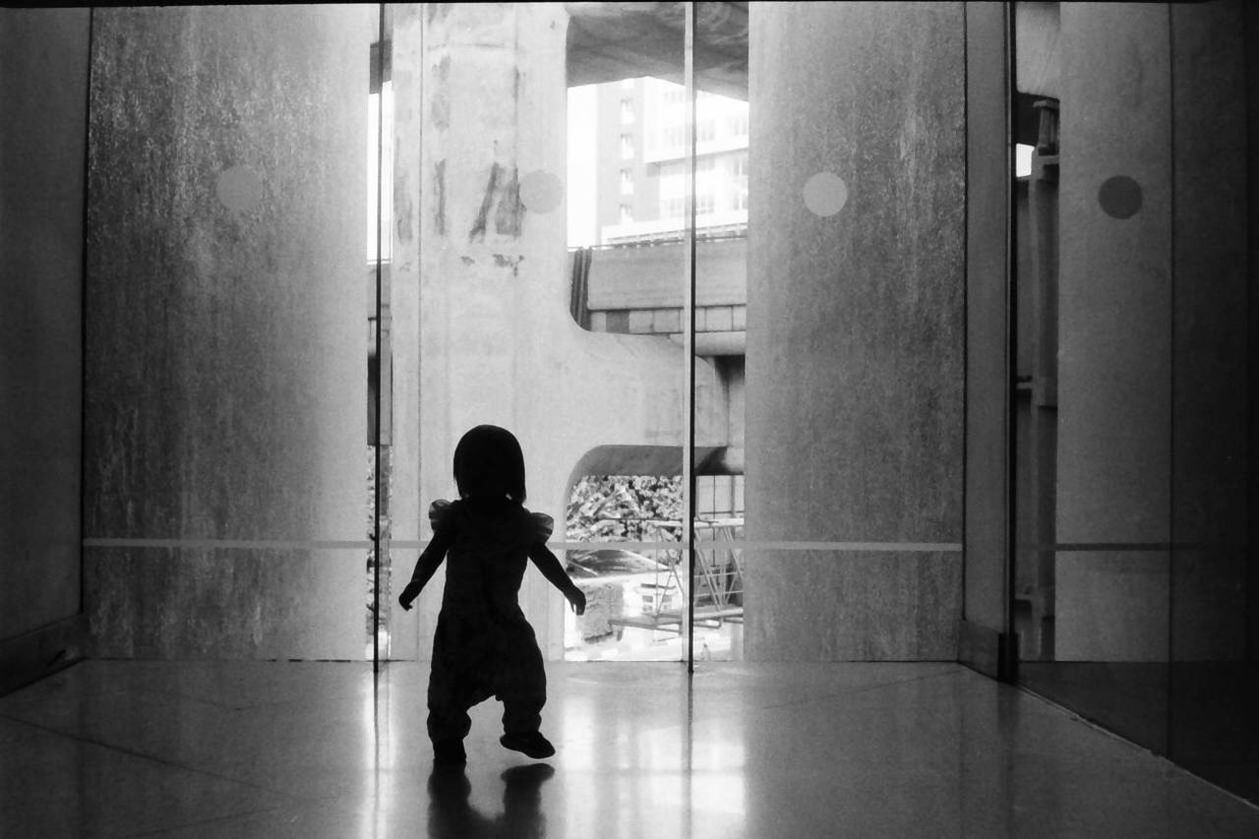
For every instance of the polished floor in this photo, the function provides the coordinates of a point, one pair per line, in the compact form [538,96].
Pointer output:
[1201,715]
[758,751]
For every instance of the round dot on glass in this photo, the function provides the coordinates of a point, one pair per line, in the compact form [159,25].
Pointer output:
[825,194]
[238,189]
[1120,197]
[541,192]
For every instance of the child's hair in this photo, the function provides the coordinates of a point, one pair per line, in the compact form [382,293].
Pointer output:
[489,463]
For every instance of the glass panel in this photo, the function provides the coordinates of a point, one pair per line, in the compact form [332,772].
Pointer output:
[720,338]
[1094,361]
[562,326]
[1213,703]
[224,497]
[1135,591]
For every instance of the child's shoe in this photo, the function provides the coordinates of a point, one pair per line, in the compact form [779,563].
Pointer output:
[449,753]
[533,744]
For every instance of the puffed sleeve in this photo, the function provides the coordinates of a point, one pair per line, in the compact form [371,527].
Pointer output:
[543,526]
[439,513]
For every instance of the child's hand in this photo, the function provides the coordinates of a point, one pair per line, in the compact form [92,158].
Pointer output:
[408,595]
[577,598]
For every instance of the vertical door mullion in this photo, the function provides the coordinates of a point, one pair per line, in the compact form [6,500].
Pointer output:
[688,449]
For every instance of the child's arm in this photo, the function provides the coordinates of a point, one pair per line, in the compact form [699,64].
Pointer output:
[426,566]
[550,567]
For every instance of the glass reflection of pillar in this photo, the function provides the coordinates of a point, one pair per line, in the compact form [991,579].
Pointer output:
[1140,490]
[1098,283]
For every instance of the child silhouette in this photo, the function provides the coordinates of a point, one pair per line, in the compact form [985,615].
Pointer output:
[484,646]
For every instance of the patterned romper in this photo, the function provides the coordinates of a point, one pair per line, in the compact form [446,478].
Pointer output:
[484,646]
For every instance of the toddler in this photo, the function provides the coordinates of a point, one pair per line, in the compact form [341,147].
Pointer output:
[484,646]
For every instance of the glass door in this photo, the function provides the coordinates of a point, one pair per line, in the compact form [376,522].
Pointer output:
[537,282]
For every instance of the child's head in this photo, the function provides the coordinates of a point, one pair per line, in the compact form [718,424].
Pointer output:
[489,463]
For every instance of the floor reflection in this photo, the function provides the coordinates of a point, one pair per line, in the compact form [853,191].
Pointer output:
[747,751]
[452,816]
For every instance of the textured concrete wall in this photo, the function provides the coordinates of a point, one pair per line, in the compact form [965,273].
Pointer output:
[225,331]
[43,107]
[855,328]
[497,341]
[1115,361]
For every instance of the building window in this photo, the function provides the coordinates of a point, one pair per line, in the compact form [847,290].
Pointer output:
[627,146]
[1023,160]
[627,182]
[672,190]
[675,135]
[627,214]
[706,131]
[705,186]
[739,181]
[627,111]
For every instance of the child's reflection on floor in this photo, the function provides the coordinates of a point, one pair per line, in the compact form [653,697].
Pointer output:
[451,816]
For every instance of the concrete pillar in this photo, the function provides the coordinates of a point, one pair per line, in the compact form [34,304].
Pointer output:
[226,336]
[497,343]
[855,328]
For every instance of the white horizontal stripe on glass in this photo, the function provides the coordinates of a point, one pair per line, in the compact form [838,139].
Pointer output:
[411,544]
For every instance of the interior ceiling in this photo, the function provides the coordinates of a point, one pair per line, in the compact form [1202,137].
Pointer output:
[608,42]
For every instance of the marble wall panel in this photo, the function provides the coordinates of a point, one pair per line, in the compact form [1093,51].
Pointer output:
[855,323]
[226,337]
[852,606]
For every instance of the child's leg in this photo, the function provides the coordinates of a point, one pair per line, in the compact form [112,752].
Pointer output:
[448,724]
[522,689]
[450,695]
[522,716]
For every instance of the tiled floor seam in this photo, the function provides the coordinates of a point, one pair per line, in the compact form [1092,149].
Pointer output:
[169,764]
